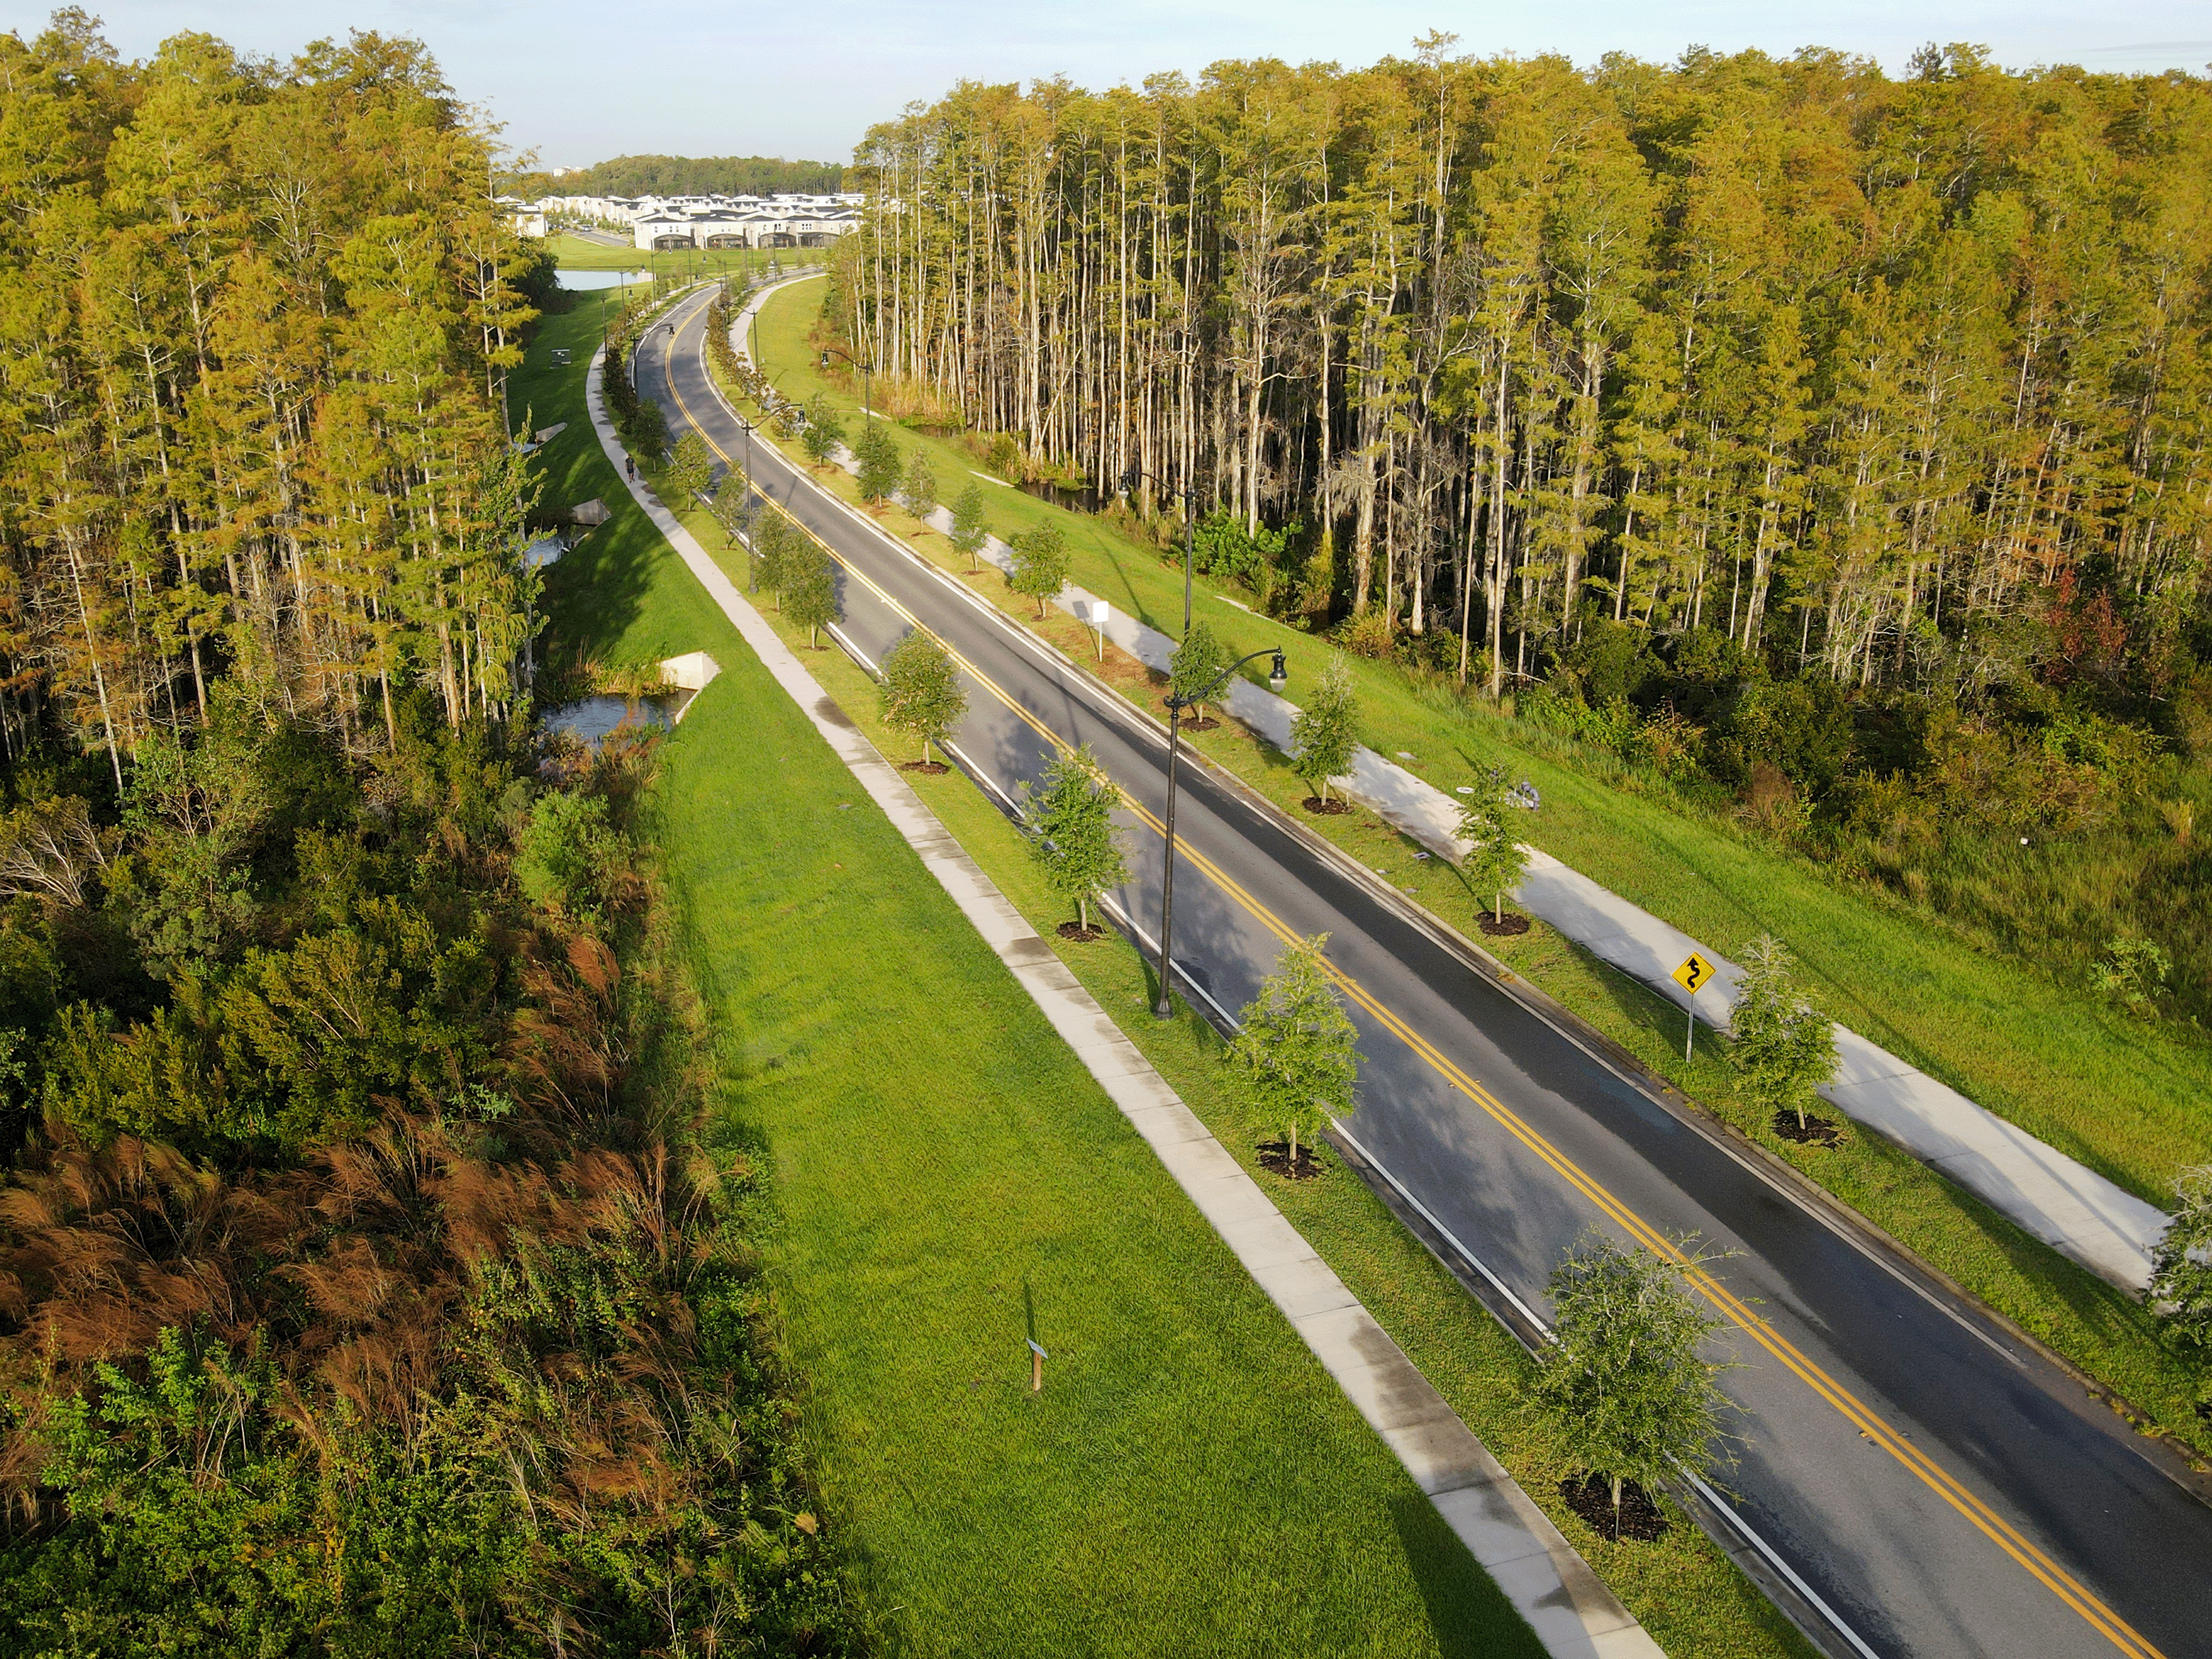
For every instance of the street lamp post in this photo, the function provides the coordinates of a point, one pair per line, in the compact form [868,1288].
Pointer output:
[1190,533]
[1277,675]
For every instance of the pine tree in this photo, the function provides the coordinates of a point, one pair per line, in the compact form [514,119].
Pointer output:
[1494,859]
[1622,1375]
[810,588]
[918,690]
[1325,732]
[1040,563]
[1069,821]
[1297,1049]
[969,532]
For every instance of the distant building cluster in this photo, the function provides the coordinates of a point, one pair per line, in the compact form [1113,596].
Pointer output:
[705,221]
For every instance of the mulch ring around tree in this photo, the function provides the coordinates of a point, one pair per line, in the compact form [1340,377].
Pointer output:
[1075,932]
[1325,809]
[1818,1131]
[1503,927]
[1205,723]
[1274,1158]
[928,769]
[1591,1497]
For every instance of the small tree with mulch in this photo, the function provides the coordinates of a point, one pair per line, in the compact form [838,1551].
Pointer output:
[1784,1047]
[773,540]
[969,532]
[824,432]
[1069,820]
[810,589]
[1040,563]
[918,692]
[876,460]
[1298,1049]
[1199,661]
[1622,1376]
[1495,860]
[1327,730]
[918,492]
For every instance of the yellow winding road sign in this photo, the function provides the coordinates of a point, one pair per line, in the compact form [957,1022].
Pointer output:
[1692,975]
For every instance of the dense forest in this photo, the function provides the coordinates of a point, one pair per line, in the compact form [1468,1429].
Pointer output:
[1837,442]
[704,175]
[366,1283]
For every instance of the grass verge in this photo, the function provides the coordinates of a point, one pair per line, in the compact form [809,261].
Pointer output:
[2125,1099]
[944,1173]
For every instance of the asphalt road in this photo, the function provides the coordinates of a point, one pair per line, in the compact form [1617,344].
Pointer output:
[1944,1490]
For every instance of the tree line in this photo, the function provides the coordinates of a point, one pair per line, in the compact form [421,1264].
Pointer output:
[1849,366]
[251,405]
[703,175]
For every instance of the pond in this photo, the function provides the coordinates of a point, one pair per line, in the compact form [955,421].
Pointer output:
[583,282]
[592,719]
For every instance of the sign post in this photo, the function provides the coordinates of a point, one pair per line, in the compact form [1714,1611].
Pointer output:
[1692,976]
[1037,1357]
[1100,611]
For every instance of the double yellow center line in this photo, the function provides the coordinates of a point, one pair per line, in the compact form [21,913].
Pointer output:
[1860,1416]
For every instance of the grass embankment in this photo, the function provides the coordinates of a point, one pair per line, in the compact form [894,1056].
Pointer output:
[1689,1595]
[1190,1481]
[675,265]
[2124,1099]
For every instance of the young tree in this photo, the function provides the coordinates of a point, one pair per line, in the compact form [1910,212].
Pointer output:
[877,458]
[1494,860]
[919,490]
[824,431]
[1622,1376]
[1784,1047]
[733,506]
[1326,731]
[1298,1048]
[969,532]
[919,691]
[810,588]
[1040,563]
[772,540]
[1069,821]
[2181,1282]
[1199,661]
[691,470]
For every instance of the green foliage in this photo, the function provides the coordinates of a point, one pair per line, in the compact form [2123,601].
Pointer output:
[2181,1280]
[1256,561]
[876,455]
[810,587]
[1040,562]
[918,690]
[919,491]
[2133,974]
[1069,820]
[691,470]
[775,540]
[1784,1047]
[569,855]
[1200,661]
[1495,858]
[733,506]
[969,532]
[701,175]
[1326,732]
[824,431]
[1622,1375]
[1297,1049]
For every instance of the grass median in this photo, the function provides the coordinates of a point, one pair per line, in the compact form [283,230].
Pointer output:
[948,1179]
[2128,1100]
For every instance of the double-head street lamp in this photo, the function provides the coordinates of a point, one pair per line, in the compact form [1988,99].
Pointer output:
[1277,675]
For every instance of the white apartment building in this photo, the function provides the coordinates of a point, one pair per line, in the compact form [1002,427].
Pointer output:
[719,222]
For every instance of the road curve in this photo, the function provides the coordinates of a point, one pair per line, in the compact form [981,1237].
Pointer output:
[1945,1490]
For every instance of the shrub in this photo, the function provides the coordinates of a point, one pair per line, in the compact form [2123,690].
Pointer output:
[570,854]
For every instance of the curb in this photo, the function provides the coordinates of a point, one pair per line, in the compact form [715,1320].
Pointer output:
[1545,1579]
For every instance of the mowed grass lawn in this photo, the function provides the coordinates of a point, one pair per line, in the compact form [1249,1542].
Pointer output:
[1190,1481]
[2131,1100]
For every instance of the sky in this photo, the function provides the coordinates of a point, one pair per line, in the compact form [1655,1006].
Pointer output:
[580,81]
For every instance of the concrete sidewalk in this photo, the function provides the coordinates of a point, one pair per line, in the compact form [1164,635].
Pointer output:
[1544,1577]
[2053,1197]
